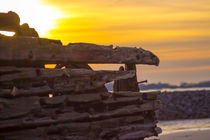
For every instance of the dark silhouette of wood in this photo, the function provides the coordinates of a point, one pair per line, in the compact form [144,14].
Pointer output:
[129,84]
[11,22]
[70,101]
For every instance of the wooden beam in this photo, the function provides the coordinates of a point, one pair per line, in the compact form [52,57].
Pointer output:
[152,95]
[23,51]
[126,129]
[54,80]
[14,74]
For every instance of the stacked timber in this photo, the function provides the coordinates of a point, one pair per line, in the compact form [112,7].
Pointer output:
[70,102]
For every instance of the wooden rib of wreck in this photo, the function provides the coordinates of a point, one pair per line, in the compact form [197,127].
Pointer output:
[44,51]
[79,106]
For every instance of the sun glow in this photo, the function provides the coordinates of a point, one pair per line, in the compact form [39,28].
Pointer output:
[7,33]
[36,14]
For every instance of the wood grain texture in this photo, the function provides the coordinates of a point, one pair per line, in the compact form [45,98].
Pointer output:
[38,51]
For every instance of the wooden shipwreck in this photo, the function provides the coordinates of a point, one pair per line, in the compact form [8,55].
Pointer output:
[70,102]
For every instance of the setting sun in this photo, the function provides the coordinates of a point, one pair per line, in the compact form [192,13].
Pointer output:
[36,14]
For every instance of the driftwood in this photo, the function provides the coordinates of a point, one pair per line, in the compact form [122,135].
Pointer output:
[79,108]
[70,102]
[23,51]
[68,117]
[36,73]
[24,81]
[79,113]
[108,125]
[15,92]
[145,95]
[115,131]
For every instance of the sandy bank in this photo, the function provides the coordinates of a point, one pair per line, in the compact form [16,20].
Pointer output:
[191,134]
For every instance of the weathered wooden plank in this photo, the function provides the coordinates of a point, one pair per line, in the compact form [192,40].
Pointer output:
[93,126]
[33,91]
[47,121]
[91,102]
[18,107]
[81,131]
[151,105]
[127,94]
[76,138]
[26,50]
[41,73]
[30,134]
[56,80]
[75,128]
[15,74]
[136,135]
[61,118]
[8,70]
[63,124]
[112,132]
[113,103]
[128,110]
[153,95]
[70,99]
[144,95]
[83,98]
[53,102]
[115,122]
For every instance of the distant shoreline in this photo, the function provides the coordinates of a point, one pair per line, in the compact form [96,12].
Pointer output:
[165,87]
[160,86]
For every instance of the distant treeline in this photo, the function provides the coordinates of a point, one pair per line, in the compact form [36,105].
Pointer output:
[109,86]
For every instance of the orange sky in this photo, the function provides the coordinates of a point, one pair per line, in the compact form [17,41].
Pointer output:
[178,31]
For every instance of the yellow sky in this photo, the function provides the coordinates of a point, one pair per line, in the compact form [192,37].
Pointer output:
[175,30]
[138,23]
